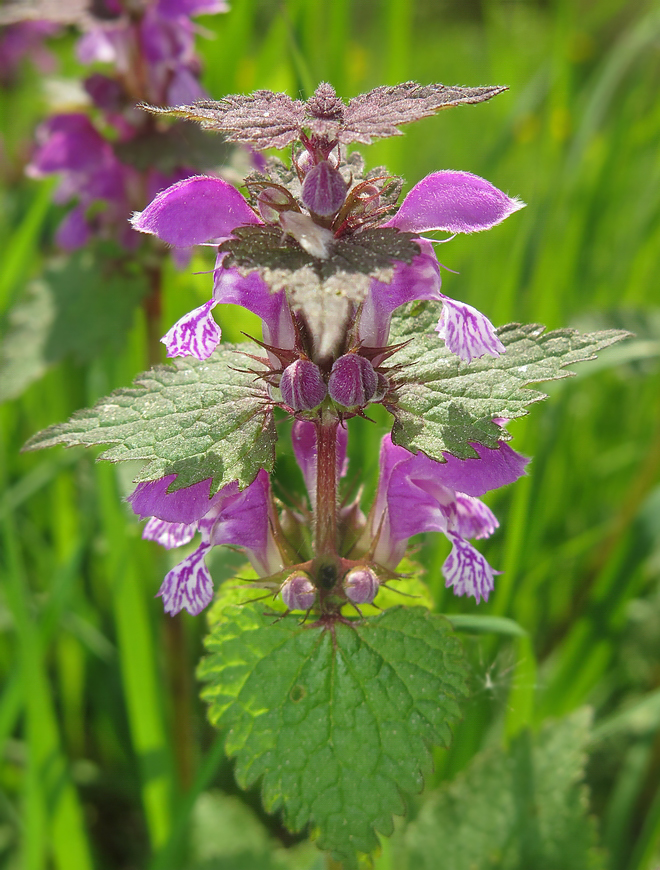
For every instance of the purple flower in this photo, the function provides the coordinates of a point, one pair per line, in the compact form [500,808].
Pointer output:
[25,40]
[204,210]
[417,494]
[456,202]
[239,518]
[163,37]
[90,173]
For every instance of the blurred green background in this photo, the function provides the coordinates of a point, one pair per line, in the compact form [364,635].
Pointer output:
[104,749]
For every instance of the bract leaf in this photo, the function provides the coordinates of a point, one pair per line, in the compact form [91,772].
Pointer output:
[442,403]
[193,419]
[336,723]
[268,120]
[512,810]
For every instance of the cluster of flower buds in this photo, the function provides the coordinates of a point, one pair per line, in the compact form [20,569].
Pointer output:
[322,253]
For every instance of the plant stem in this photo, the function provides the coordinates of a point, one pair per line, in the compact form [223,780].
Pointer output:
[326,486]
[152,305]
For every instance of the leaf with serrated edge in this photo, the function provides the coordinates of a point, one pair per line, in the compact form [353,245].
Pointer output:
[443,403]
[193,419]
[337,724]
[507,810]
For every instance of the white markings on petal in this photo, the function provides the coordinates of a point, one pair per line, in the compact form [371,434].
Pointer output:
[473,519]
[467,332]
[196,334]
[188,585]
[466,570]
[169,535]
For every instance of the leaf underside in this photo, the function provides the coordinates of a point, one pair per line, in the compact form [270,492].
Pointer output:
[512,810]
[442,403]
[337,724]
[195,419]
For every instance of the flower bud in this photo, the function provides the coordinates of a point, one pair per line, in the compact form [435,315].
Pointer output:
[323,190]
[353,381]
[302,385]
[366,199]
[298,592]
[361,585]
[272,202]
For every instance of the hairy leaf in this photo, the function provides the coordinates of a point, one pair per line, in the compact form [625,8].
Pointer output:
[512,810]
[442,403]
[379,113]
[263,119]
[337,724]
[78,307]
[193,419]
[268,120]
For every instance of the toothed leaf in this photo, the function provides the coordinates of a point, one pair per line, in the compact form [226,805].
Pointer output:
[337,725]
[193,419]
[512,810]
[442,403]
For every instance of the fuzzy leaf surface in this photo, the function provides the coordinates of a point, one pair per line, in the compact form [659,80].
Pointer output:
[442,403]
[337,725]
[81,306]
[193,419]
[512,810]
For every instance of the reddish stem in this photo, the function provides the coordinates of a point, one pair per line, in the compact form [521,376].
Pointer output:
[326,486]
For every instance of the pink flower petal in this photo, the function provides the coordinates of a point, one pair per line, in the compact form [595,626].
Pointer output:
[457,202]
[187,505]
[188,585]
[467,332]
[169,535]
[473,519]
[194,211]
[411,282]
[195,334]
[467,571]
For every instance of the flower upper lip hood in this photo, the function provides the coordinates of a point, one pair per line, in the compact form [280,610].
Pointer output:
[453,201]
[195,211]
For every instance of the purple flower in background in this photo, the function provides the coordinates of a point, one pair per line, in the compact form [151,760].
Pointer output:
[25,39]
[417,494]
[231,516]
[90,173]
[162,39]
[106,177]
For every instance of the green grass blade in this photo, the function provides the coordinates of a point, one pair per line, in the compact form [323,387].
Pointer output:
[138,663]
[19,253]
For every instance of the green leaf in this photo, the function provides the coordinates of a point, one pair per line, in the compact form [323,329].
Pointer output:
[78,307]
[512,810]
[193,419]
[337,723]
[442,404]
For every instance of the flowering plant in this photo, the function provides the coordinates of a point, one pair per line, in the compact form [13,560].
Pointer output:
[333,708]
